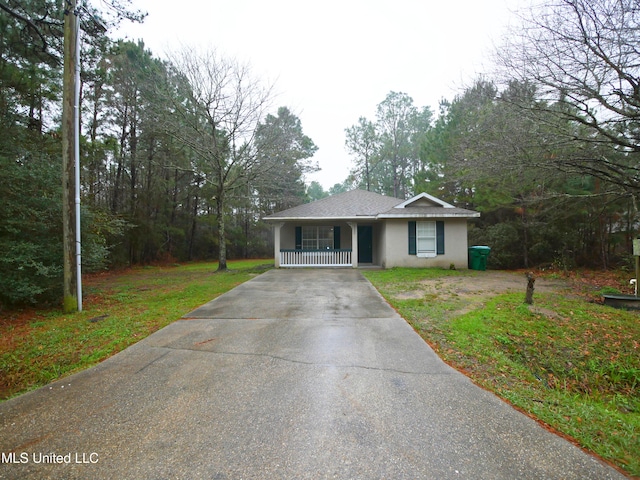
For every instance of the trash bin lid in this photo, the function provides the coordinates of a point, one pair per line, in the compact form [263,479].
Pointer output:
[480,248]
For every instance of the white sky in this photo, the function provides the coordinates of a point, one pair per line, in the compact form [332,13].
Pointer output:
[333,61]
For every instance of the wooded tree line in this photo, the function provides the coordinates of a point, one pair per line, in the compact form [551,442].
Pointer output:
[180,158]
[546,147]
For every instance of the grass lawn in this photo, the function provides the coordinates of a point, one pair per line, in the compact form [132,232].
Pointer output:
[571,363]
[119,309]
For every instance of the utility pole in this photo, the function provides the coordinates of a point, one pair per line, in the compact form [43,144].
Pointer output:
[71,301]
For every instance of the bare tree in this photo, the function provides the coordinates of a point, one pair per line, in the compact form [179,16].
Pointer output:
[217,118]
[582,57]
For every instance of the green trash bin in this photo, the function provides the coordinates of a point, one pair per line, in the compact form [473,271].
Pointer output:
[478,257]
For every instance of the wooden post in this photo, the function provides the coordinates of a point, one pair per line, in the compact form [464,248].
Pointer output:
[637,274]
[531,280]
[636,254]
[70,301]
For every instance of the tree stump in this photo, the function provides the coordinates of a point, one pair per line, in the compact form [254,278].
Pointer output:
[531,280]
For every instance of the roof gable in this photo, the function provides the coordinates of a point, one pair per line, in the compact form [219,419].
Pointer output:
[424,200]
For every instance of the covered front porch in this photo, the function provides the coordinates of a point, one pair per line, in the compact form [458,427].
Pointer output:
[316,244]
[315,258]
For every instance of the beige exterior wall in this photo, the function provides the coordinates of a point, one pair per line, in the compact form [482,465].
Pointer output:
[380,244]
[378,241]
[287,237]
[396,246]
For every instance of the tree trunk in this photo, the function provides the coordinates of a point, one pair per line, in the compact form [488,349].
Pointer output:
[194,225]
[133,169]
[222,244]
[531,280]
[94,171]
[525,235]
[367,173]
[603,241]
[115,208]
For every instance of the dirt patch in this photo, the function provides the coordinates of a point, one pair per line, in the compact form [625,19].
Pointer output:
[461,294]
[488,283]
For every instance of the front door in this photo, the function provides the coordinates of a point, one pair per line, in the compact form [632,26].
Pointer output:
[365,244]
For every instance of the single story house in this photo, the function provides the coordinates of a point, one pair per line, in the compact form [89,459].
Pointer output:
[365,228]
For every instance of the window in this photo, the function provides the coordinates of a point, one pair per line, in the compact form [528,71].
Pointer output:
[317,238]
[426,239]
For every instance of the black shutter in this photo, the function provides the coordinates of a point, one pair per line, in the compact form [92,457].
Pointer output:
[412,238]
[336,238]
[298,238]
[440,238]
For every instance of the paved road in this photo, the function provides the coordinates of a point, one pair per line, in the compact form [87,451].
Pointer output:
[295,374]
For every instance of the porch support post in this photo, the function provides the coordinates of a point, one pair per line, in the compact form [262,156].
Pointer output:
[276,242]
[354,244]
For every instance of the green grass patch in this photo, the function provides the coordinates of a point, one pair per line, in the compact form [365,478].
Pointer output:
[119,310]
[571,363]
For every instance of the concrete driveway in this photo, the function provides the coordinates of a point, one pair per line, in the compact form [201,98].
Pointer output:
[295,374]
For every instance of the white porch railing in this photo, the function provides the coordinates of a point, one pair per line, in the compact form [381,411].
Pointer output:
[315,258]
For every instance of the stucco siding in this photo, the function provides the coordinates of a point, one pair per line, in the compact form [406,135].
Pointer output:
[375,240]
[378,243]
[288,236]
[396,246]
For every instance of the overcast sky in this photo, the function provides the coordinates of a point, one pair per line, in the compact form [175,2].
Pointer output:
[333,61]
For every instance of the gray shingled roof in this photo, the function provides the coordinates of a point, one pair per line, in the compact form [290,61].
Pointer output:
[361,203]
